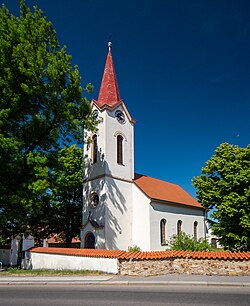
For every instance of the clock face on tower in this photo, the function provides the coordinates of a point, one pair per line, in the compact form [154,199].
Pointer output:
[120,116]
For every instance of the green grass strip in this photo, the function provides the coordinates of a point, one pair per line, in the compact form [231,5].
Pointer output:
[21,272]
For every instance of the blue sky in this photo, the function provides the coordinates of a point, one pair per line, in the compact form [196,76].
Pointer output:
[183,71]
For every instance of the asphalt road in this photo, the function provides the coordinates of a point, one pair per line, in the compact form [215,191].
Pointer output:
[36,295]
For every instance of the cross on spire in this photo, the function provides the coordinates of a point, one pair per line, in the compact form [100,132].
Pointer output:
[109,45]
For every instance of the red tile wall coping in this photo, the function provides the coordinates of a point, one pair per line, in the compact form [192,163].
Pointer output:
[123,255]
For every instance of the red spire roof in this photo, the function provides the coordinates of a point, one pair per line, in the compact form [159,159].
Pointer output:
[109,92]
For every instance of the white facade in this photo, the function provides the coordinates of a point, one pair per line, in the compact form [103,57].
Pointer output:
[111,181]
[172,214]
[116,212]
[141,219]
[38,261]
[147,215]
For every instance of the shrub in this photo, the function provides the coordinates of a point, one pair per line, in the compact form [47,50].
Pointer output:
[186,242]
[134,248]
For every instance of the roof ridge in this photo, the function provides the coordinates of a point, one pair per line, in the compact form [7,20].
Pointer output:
[158,179]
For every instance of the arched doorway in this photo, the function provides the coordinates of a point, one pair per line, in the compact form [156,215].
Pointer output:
[89,241]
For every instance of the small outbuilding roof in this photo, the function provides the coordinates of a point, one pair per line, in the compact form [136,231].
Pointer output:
[164,191]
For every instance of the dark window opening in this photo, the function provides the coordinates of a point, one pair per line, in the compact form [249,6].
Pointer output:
[179,224]
[195,230]
[119,150]
[163,231]
[94,149]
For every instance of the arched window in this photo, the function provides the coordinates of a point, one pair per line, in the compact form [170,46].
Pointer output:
[195,230]
[179,224]
[119,150]
[163,231]
[89,241]
[94,149]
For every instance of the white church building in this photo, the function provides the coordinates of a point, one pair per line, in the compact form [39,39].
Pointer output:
[122,208]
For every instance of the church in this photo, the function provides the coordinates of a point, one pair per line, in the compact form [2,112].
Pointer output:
[122,208]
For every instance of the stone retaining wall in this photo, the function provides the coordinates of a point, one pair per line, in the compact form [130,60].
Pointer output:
[184,266]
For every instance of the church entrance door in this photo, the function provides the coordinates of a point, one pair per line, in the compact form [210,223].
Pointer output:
[89,241]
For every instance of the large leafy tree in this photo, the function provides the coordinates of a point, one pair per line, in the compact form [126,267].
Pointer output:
[41,108]
[60,212]
[66,200]
[224,188]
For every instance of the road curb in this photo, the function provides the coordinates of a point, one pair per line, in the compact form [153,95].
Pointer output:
[177,283]
[128,283]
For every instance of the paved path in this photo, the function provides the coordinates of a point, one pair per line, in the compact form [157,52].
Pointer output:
[174,279]
[171,279]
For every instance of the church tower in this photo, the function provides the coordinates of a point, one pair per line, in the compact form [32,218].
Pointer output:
[109,170]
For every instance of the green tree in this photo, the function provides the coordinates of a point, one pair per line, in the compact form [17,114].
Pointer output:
[224,188]
[1,242]
[41,109]
[66,201]
[185,242]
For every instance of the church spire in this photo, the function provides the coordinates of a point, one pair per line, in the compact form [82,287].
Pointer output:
[109,92]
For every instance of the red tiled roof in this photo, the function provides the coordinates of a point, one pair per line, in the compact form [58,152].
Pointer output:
[57,239]
[109,93]
[164,191]
[143,255]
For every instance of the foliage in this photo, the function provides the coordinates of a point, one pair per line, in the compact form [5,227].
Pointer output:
[224,188]
[186,242]
[67,193]
[134,248]
[61,203]
[41,109]
[1,241]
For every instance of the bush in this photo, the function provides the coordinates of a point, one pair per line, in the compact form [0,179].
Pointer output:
[186,242]
[134,248]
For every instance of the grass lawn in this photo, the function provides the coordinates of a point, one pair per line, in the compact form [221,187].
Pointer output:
[20,272]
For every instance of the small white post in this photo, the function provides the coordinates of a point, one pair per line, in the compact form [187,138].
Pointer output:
[45,243]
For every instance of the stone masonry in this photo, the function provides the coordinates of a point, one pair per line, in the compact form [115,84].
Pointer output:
[184,266]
